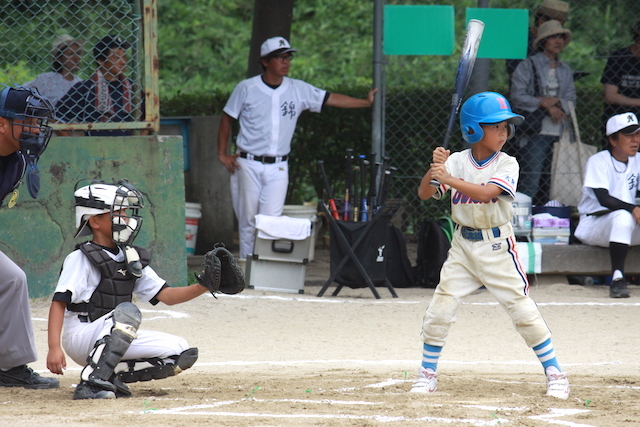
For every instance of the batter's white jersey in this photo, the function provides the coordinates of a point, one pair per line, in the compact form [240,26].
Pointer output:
[268,116]
[603,171]
[500,169]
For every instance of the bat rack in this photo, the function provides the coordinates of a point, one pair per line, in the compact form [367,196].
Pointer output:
[357,251]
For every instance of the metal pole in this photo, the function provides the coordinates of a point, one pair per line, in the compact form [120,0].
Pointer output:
[480,77]
[377,125]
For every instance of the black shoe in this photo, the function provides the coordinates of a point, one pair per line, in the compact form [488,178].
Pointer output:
[86,390]
[23,376]
[618,289]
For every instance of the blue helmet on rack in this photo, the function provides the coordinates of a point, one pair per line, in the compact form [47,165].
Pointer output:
[486,108]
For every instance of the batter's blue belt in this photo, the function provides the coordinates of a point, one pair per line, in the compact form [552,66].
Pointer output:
[263,159]
[476,234]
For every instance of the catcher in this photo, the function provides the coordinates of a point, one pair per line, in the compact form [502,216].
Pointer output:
[94,293]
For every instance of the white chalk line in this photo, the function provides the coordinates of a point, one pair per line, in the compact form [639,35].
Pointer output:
[338,300]
[552,417]
[172,314]
[400,363]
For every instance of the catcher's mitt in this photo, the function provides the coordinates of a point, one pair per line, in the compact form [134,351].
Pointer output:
[220,271]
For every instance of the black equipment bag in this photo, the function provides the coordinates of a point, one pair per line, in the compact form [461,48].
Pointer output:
[433,248]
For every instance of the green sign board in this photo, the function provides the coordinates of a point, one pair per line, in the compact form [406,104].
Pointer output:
[418,30]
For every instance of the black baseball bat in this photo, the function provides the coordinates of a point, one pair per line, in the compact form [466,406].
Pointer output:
[332,203]
[465,68]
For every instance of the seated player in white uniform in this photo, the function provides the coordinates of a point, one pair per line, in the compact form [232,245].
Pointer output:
[609,216]
[483,182]
[93,300]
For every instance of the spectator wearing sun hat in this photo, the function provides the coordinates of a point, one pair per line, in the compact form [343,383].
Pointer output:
[542,85]
[548,10]
[66,54]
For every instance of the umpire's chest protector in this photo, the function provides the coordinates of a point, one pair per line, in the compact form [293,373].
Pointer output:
[116,283]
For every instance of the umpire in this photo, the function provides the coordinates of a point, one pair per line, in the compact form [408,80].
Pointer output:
[24,134]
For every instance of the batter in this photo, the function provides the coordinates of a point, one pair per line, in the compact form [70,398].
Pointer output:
[268,107]
[483,183]
[93,300]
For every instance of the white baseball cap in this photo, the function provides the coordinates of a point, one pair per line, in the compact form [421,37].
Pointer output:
[275,44]
[626,123]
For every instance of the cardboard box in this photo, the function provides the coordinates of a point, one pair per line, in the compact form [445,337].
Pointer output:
[551,235]
[275,276]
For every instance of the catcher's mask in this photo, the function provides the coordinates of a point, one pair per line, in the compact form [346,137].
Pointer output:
[34,111]
[121,200]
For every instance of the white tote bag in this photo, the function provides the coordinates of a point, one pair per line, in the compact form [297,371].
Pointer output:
[570,156]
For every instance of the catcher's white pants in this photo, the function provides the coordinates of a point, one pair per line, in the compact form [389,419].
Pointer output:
[494,263]
[79,338]
[618,226]
[257,188]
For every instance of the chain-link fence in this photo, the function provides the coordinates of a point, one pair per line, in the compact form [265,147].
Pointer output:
[94,59]
[419,89]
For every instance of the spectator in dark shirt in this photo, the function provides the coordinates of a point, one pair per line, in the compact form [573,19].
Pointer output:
[107,96]
[621,79]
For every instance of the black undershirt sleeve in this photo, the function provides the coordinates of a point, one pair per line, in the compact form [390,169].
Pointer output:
[326,98]
[610,202]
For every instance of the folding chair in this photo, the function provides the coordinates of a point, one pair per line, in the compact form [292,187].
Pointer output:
[353,243]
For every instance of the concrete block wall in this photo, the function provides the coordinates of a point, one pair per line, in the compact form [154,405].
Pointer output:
[37,234]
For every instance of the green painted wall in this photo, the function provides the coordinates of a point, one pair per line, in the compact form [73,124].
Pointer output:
[37,234]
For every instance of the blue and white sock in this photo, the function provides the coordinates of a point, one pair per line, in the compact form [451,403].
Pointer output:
[430,356]
[547,356]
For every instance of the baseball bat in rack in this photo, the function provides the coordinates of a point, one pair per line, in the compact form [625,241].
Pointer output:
[356,194]
[347,180]
[327,188]
[468,55]
[364,210]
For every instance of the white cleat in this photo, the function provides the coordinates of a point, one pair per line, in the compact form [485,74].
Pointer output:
[558,385]
[427,382]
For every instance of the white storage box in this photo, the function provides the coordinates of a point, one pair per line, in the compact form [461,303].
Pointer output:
[282,250]
[275,276]
[305,211]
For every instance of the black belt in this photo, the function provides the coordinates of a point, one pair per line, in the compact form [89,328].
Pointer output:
[83,318]
[475,234]
[263,159]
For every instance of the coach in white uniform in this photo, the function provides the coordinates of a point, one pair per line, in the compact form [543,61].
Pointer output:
[609,216]
[268,107]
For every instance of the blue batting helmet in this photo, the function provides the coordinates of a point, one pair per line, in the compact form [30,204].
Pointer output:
[486,108]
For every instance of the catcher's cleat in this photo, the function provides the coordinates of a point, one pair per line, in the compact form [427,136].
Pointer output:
[157,369]
[618,289]
[558,385]
[426,382]
[86,390]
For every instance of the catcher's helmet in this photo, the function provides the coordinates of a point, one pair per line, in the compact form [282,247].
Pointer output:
[100,197]
[486,108]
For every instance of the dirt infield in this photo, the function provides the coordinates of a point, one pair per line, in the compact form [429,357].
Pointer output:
[277,359]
